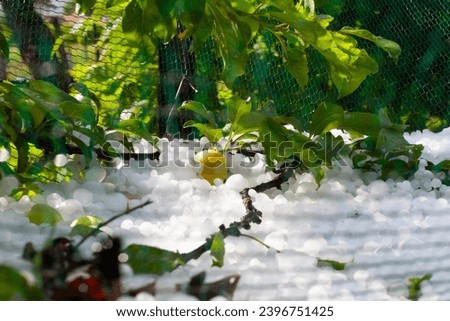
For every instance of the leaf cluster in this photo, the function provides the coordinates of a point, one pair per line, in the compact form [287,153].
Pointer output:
[38,121]
[234,24]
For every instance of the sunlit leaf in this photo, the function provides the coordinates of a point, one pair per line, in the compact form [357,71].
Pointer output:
[213,134]
[218,250]
[29,190]
[152,260]
[84,226]
[236,109]
[391,47]
[43,214]
[326,117]
[232,42]
[318,173]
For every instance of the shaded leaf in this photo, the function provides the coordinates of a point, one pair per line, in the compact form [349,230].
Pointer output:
[200,109]
[136,27]
[442,166]
[338,266]
[87,152]
[4,47]
[85,5]
[43,214]
[78,111]
[296,59]
[395,168]
[13,286]
[30,111]
[362,123]
[326,116]
[415,286]
[250,122]
[152,260]
[206,291]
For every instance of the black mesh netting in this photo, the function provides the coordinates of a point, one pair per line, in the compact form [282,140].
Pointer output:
[415,91]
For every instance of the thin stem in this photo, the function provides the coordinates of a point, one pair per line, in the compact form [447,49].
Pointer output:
[260,242]
[95,230]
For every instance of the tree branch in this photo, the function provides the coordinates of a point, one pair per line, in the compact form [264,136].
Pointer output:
[253,215]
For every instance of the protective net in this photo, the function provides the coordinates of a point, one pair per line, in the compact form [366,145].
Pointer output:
[47,40]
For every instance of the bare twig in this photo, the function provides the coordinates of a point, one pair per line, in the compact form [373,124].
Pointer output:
[115,217]
[253,215]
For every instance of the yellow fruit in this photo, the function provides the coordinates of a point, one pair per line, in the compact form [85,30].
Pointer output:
[212,165]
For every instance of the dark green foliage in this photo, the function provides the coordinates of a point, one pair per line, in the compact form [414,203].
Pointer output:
[13,286]
[335,265]
[152,260]
[415,285]
[416,89]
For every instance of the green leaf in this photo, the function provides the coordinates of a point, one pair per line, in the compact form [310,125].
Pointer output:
[217,250]
[31,112]
[395,168]
[30,190]
[361,123]
[136,27]
[250,122]
[389,139]
[135,127]
[48,94]
[296,60]
[349,66]
[191,13]
[152,260]
[442,166]
[338,266]
[4,47]
[87,152]
[236,109]
[43,214]
[415,286]
[14,286]
[213,134]
[281,143]
[295,122]
[318,173]
[84,225]
[326,117]
[201,110]
[85,5]
[391,47]
[84,90]
[232,41]
[78,111]
[244,6]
